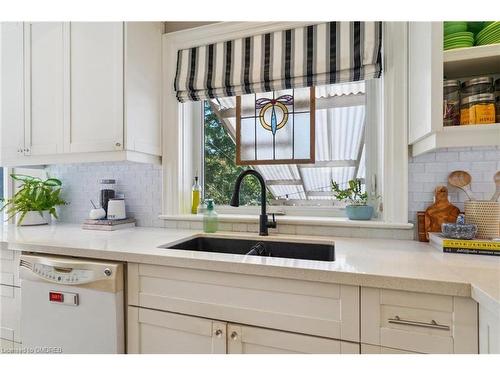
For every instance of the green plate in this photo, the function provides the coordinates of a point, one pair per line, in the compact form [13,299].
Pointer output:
[459,45]
[491,31]
[460,42]
[492,26]
[490,41]
[486,39]
[466,34]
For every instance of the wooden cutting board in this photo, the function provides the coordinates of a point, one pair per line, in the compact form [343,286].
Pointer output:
[442,211]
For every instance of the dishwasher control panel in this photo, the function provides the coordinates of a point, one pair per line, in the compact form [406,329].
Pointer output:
[63,276]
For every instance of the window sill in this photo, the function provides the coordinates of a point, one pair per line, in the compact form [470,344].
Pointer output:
[296,220]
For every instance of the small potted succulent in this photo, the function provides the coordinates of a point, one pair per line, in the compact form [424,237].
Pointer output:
[357,209]
[35,201]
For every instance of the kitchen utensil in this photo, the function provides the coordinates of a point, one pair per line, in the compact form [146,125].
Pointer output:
[486,215]
[461,180]
[442,211]
[496,178]
[116,209]
[93,204]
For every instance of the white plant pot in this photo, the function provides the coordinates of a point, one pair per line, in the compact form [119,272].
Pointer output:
[34,218]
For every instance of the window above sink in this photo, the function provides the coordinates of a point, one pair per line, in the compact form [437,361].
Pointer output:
[183,138]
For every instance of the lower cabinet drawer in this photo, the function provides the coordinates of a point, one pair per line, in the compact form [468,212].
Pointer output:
[9,347]
[418,322]
[376,349]
[9,267]
[489,331]
[313,308]
[10,314]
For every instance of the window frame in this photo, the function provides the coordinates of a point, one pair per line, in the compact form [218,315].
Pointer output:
[179,154]
[324,208]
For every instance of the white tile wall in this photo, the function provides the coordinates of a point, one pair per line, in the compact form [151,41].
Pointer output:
[432,169]
[141,184]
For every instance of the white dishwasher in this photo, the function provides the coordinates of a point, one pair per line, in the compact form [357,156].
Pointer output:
[71,305]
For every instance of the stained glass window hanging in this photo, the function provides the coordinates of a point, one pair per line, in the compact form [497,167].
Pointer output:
[275,127]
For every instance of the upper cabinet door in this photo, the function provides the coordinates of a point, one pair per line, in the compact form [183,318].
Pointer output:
[44,52]
[425,79]
[96,59]
[12,90]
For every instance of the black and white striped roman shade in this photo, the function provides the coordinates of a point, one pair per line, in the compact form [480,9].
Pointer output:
[313,55]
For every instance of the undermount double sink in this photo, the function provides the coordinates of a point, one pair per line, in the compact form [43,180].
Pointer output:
[267,248]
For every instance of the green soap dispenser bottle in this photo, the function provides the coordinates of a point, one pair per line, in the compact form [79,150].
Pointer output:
[210,221]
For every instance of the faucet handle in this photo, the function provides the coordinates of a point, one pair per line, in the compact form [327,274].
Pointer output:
[272,224]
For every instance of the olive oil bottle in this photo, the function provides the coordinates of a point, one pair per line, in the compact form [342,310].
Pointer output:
[195,196]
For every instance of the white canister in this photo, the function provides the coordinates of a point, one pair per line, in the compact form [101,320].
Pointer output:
[116,209]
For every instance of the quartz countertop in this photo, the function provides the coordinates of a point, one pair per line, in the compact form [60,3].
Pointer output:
[380,263]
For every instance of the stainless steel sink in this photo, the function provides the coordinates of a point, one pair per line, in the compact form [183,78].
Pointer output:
[293,250]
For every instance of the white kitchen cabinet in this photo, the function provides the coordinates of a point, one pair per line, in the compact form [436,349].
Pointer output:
[418,322]
[7,347]
[10,299]
[44,87]
[12,90]
[9,266]
[427,65]
[489,331]
[81,92]
[159,332]
[96,84]
[10,314]
[376,349]
[243,339]
[313,308]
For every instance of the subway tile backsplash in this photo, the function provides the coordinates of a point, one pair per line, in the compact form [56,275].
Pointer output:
[140,183]
[432,169]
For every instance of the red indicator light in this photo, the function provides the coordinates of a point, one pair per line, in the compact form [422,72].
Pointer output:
[56,297]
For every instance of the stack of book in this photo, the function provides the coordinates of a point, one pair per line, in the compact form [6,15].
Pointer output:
[105,224]
[476,246]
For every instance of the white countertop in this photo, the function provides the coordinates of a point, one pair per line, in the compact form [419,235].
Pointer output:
[394,264]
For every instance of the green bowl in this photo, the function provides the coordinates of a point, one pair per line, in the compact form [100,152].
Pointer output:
[454,28]
[475,27]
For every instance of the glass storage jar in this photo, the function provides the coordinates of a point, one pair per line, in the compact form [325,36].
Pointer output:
[451,102]
[497,100]
[477,109]
[475,86]
[497,107]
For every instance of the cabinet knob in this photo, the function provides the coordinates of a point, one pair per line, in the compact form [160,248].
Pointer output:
[234,335]
[218,333]
[118,144]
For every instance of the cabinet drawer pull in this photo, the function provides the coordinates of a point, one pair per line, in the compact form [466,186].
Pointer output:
[432,324]
[219,333]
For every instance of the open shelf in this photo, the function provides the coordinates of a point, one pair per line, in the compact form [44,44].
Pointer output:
[472,61]
[459,136]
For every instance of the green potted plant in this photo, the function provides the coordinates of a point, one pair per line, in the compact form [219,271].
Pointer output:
[357,209]
[35,201]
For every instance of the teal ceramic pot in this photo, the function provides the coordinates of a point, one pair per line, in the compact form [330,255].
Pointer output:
[359,212]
